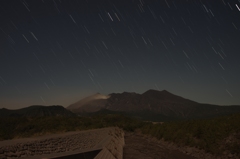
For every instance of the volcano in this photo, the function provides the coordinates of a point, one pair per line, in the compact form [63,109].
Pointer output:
[151,104]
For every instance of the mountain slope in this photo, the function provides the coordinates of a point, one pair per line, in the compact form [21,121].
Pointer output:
[36,111]
[153,104]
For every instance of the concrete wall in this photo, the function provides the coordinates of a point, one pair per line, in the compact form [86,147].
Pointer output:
[95,143]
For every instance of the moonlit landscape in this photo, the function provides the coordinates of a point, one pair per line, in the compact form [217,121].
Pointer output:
[59,51]
[120,79]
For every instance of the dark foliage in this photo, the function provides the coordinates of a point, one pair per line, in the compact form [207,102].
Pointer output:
[215,135]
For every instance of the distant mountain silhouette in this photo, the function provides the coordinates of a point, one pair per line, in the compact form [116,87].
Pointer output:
[36,111]
[151,105]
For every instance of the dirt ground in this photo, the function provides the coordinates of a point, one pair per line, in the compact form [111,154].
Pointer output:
[138,146]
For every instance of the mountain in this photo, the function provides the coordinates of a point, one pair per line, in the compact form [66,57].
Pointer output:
[89,104]
[36,111]
[151,105]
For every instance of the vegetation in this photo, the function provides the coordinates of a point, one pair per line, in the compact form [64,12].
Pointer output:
[25,127]
[212,135]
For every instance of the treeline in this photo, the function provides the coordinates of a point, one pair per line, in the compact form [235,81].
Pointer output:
[26,127]
[215,136]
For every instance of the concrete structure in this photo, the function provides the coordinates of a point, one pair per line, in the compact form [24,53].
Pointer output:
[106,143]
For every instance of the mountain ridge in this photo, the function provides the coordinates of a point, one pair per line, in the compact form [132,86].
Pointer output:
[36,111]
[162,103]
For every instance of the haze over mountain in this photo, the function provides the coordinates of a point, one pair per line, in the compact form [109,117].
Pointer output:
[152,103]
[90,104]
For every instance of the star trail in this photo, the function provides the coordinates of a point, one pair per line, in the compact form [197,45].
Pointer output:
[59,51]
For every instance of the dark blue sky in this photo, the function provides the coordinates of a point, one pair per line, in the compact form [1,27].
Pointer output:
[59,51]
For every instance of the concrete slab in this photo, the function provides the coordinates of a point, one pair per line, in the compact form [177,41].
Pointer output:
[56,146]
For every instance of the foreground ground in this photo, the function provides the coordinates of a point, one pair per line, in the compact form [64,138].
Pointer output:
[218,136]
[138,146]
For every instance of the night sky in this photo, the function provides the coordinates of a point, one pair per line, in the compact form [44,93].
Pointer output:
[55,52]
